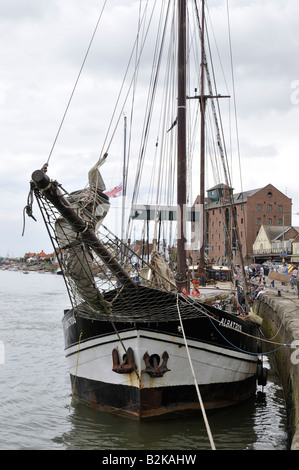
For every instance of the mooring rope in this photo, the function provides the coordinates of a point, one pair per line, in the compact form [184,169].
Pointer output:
[73,391]
[248,352]
[202,309]
[195,382]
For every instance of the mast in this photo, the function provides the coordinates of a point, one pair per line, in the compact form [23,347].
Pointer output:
[181,144]
[202,142]
[181,147]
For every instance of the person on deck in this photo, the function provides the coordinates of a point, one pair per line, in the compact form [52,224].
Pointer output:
[195,288]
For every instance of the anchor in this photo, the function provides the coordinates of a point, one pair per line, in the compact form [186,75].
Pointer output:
[152,364]
[128,364]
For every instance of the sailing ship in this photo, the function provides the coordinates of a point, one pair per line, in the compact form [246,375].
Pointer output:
[137,342]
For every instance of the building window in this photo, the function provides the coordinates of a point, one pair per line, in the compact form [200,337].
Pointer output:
[269,207]
[269,221]
[259,221]
[280,209]
[259,207]
[279,221]
[241,234]
[269,194]
[242,221]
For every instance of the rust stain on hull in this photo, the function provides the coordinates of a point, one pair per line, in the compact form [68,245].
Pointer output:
[155,403]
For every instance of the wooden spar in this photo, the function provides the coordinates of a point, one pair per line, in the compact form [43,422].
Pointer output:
[202,143]
[181,146]
[79,225]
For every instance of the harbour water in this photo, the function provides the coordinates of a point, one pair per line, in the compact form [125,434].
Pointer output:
[35,391]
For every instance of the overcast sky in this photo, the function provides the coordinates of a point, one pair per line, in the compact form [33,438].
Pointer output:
[42,45]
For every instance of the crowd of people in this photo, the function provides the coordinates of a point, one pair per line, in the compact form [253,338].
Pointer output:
[258,277]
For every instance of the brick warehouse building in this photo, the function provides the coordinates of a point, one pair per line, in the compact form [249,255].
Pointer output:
[254,208]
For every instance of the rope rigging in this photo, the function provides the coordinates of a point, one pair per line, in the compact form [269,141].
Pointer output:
[28,210]
[76,82]
[110,305]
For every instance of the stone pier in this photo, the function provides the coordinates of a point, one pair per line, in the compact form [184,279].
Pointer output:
[279,309]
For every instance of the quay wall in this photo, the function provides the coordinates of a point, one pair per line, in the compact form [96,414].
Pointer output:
[280,314]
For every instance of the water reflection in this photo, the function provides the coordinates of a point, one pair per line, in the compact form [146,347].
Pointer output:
[257,424]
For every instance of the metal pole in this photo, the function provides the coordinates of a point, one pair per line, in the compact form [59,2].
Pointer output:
[124,189]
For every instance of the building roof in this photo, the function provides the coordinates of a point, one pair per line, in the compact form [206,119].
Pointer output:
[238,198]
[242,197]
[42,254]
[296,239]
[286,229]
[273,232]
[220,185]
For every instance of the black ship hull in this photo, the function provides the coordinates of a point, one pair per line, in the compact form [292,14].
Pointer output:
[142,369]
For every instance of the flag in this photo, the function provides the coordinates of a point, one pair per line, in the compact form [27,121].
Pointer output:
[115,192]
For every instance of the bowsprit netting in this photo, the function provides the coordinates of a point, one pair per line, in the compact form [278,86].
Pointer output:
[147,292]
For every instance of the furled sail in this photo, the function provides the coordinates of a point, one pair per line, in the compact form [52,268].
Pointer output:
[161,276]
[92,205]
